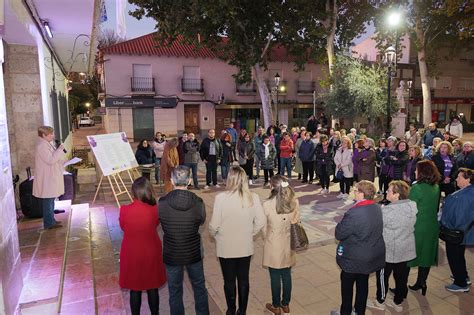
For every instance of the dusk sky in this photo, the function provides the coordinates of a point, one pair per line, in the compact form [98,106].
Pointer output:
[136,28]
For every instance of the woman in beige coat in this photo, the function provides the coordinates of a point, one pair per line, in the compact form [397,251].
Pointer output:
[281,210]
[48,182]
[236,219]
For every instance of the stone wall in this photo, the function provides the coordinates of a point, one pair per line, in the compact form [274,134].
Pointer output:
[10,263]
[24,104]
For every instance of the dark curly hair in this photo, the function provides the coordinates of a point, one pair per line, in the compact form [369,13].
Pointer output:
[427,172]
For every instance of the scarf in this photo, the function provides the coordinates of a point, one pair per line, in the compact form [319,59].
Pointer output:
[267,150]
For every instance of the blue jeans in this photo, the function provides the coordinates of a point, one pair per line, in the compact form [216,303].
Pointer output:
[175,288]
[224,170]
[257,165]
[285,163]
[47,205]
[194,170]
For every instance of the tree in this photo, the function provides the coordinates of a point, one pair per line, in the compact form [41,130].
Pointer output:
[433,26]
[358,89]
[108,37]
[242,33]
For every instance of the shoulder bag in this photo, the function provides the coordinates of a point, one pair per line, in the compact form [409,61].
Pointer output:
[299,239]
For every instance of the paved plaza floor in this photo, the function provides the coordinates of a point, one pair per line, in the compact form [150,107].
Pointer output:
[92,262]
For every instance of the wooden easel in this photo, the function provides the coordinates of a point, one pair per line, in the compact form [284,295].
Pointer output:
[117,185]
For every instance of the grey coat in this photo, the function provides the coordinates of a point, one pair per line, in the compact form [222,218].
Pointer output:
[191,152]
[399,220]
[361,247]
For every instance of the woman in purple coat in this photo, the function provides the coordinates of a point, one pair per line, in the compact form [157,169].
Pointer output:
[358,146]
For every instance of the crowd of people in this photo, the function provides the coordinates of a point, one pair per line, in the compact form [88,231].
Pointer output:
[390,227]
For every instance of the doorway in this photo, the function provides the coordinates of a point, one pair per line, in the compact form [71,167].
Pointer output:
[191,118]
[143,124]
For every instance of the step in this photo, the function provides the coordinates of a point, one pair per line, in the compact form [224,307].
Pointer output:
[42,254]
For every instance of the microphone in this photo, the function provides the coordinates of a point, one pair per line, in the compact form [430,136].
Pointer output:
[58,143]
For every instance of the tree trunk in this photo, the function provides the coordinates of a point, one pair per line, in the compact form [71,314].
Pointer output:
[264,96]
[331,24]
[425,82]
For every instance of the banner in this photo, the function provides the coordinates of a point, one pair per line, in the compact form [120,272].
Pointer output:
[121,24]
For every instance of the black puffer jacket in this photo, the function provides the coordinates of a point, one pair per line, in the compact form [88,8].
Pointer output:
[181,213]
[361,248]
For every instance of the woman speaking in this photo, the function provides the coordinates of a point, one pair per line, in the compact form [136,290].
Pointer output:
[48,183]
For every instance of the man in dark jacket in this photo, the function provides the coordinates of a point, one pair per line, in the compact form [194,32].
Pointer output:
[361,248]
[191,156]
[430,134]
[181,215]
[211,153]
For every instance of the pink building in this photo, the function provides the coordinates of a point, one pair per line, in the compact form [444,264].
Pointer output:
[149,87]
[452,90]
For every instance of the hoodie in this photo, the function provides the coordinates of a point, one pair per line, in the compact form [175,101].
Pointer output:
[181,213]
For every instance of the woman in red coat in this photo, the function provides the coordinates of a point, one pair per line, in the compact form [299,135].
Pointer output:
[141,258]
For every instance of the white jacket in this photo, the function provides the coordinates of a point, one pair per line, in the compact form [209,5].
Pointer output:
[233,225]
[344,159]
[455,130]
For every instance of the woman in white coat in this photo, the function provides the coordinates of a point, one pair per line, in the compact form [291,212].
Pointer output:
[48,183]
[455,127]
[237,217]
[343,161]
[281,210]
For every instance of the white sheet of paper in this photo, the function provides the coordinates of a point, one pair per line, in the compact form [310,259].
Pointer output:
[72,161]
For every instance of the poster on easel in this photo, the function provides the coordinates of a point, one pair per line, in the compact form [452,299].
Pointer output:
[113,152]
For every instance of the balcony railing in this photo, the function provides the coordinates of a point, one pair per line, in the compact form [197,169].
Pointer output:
[306,87]
[192,85]
[142,85]
[246,88]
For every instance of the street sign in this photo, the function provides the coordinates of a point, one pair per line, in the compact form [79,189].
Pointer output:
[164,102]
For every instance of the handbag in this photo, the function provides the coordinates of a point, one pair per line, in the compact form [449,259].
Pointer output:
[451,236]
[340,174]
[299,239]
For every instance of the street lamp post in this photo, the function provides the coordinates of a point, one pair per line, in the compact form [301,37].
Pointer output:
[277,84]
[391,60]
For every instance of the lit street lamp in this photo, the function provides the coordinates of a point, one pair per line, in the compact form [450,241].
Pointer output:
[88,104]
[277,85]
[393,21]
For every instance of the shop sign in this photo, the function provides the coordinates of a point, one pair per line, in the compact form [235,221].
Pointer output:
[168,102]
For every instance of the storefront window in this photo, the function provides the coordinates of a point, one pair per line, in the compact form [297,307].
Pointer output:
[248,119]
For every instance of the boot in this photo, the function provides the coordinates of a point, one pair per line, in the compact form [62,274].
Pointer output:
[272,309]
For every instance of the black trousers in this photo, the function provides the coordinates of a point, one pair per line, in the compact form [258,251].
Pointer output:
[153,301]
[236,270]
[383,183]
[278,162]
[248,168]
[211,170]
[324,178]
[457,263]
[345,184]
[400,274]
[234,155]
[308,171]
[267,174]
[347,290]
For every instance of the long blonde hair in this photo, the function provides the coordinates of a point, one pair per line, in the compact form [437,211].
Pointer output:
[284,194]
[237,182]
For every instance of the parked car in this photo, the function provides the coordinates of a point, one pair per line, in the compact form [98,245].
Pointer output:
[86,121]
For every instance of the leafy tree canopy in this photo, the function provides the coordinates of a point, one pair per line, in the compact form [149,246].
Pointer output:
[358,89]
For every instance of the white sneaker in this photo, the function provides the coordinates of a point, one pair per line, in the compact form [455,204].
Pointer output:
[375,304]
[206,187]
[340,196]
[250,182]
[326,191]
[217,185]
[397,307]
[345,196]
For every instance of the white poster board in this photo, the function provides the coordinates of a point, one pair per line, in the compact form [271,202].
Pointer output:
[113,152]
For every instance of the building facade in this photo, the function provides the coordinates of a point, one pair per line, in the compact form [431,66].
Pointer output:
[149,87]
[452,89]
